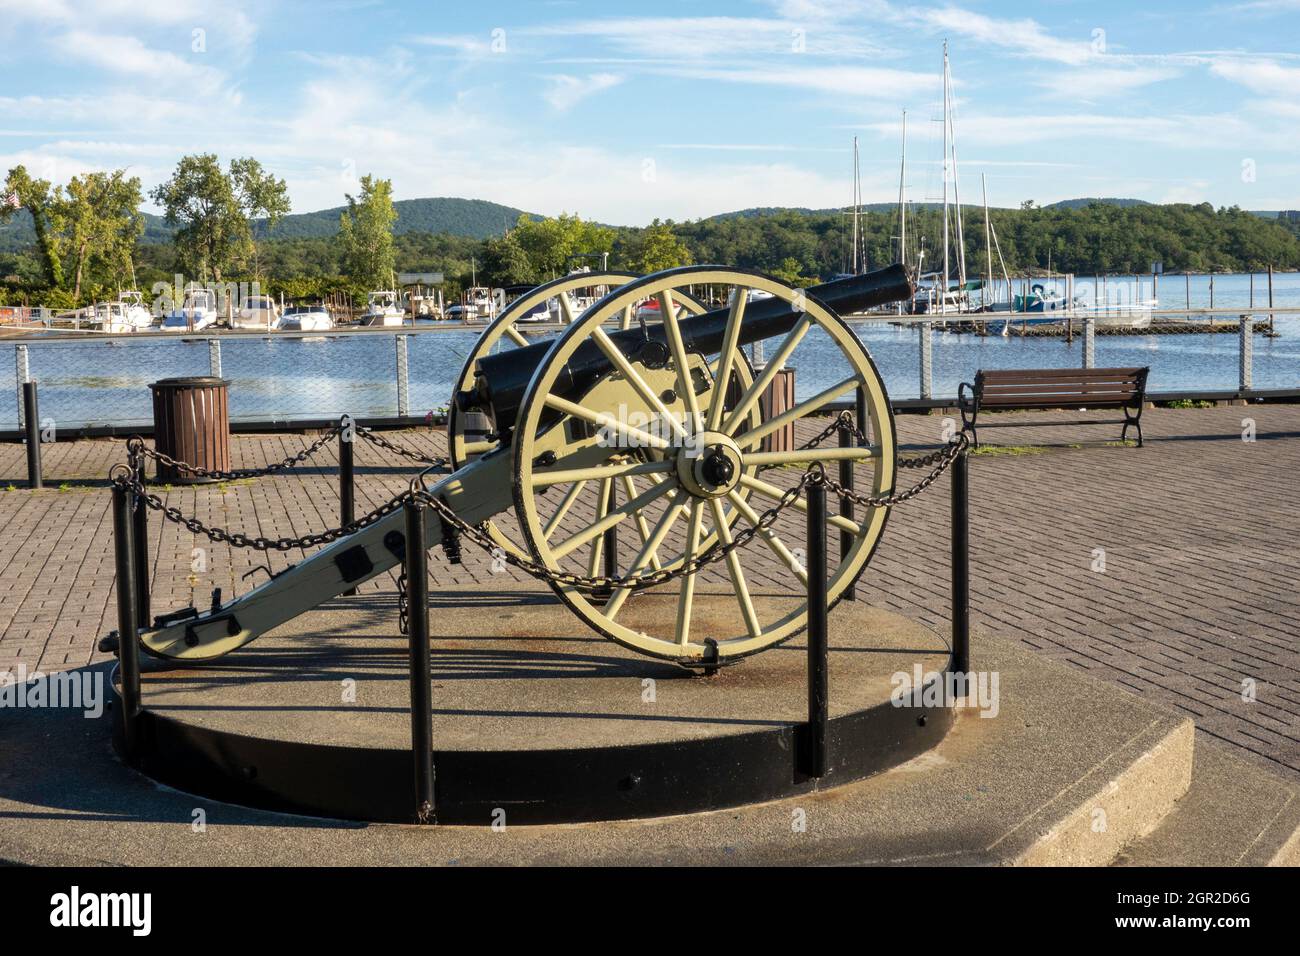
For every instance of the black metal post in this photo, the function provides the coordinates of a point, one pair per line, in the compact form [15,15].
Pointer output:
[818,686]
[609,550]
[417,607]
[140,551]
[128,652]
[32,427]
[846,507]
[961,564]
[347,487]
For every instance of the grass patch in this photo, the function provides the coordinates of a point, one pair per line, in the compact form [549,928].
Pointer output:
[994,451]
[1188,403]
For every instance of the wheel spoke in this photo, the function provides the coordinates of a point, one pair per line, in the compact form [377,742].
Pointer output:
[625,322]
[802,410]
[541,479]
[514,335]
[609,519]
[615,355]
[799,456]
[686,596]
[685,387]
[644,438]
[569,498]
[770,538]
[642,526]
[761,383]
[647,554]
[734,569]
[723,379]
[772,491]
[566,308]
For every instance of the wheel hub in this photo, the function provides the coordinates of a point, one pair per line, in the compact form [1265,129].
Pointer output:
[710,465]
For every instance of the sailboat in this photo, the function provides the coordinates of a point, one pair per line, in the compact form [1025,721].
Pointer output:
[936,293]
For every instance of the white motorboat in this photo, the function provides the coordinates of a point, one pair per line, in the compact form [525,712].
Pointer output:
[382,309]
[135,312]
[111,317]
[257,312]
[482,302]
[306,318]
[197,312]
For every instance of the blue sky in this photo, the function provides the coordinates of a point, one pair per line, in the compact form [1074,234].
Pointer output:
[626,111]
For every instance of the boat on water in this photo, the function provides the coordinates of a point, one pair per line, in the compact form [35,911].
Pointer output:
[127,314]
[1047,305]
[382,309]
[306,318]
[257,312]
[480,304]
[197,312]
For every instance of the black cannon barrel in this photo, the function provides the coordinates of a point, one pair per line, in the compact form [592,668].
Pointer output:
[501,380]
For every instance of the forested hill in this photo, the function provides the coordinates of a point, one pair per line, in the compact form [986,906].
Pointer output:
[1084,203]
[471,218]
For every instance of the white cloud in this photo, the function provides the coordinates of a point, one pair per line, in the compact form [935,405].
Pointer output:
[463,44]
[1090,83]
[1025,37]
[1259,76]
[876,83]
[702,38]
[127,55]
[566,91]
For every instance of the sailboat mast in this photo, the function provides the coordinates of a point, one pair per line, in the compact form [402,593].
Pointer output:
[956,187]
[988,234]
[854,267]
[943,290]
[902,205]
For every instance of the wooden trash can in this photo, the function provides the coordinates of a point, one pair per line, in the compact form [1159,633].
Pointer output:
[777,398]
[191,423]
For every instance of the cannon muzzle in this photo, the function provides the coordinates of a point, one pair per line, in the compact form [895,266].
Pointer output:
[501,380]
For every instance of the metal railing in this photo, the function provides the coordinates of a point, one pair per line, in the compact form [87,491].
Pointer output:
[813,757]
[98,384]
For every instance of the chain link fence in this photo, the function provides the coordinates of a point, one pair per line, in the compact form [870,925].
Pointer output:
[282,378]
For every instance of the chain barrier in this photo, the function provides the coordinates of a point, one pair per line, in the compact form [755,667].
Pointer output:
[138,451]
[130,477]
[376,439]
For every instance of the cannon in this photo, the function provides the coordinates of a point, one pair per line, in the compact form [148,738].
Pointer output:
[630,444]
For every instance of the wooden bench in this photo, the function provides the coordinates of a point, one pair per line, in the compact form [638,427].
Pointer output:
[1041,388]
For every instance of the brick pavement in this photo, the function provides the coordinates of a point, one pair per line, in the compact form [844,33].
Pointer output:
[1199,532]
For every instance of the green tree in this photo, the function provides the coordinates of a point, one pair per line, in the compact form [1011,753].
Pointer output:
[212,237]
[550,243]
[101,213]
[366,235]
[658,248]
[23,192]
[506,263]
[260,197]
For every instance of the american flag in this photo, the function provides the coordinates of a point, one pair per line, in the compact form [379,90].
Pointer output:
[12,201]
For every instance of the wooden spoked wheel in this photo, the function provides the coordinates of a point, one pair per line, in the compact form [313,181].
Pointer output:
[515,327]
[703,474]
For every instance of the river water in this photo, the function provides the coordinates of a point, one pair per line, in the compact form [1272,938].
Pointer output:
[106,381]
